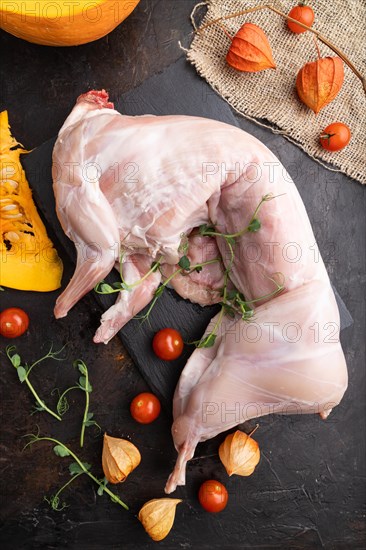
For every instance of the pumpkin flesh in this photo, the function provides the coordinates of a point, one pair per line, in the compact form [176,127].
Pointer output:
[28,259]
[63,23]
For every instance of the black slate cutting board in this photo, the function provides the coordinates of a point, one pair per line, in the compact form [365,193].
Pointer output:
[177,90]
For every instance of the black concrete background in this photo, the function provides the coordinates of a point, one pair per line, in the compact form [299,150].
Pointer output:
[309,489]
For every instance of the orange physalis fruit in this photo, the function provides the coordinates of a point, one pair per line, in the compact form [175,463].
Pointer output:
[250,50]
[239,453]
[319,82]
[303,14]
[119,458]
[157,516]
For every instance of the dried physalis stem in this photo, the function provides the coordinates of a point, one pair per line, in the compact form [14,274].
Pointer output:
[319,82]
[250,50]
[157,516]
[119,458]
[239,453]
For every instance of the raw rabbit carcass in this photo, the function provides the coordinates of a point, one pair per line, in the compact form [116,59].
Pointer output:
[128,188]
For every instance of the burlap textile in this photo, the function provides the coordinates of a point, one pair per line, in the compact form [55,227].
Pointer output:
[271,95]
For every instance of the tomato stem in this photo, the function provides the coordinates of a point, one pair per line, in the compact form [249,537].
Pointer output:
[326,136]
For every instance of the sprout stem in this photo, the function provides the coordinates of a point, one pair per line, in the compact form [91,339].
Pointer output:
[114,497]
[39,400]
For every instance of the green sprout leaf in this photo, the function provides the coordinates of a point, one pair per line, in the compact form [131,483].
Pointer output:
[85,385]
[90,422]
[206,229]
[75,468]
[208,341]
[230,295]
[22,373]
[230,240]
[103,483]
[81,366]
[89,416]
[228,309]
[254,225]
[38,407]
[248,315]
[60,450]
[159,291]
[154,266]
[105,288]
[16,360]
[184,263]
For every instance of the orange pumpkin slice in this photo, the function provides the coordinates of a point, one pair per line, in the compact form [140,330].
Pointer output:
[28,259]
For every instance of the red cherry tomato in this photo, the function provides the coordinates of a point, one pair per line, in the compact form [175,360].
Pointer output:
[168,344]
[13,322]
[145,408]
[335,136]
[304,14]
[213,496]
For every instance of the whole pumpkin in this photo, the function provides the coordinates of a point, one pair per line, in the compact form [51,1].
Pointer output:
[63,22]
